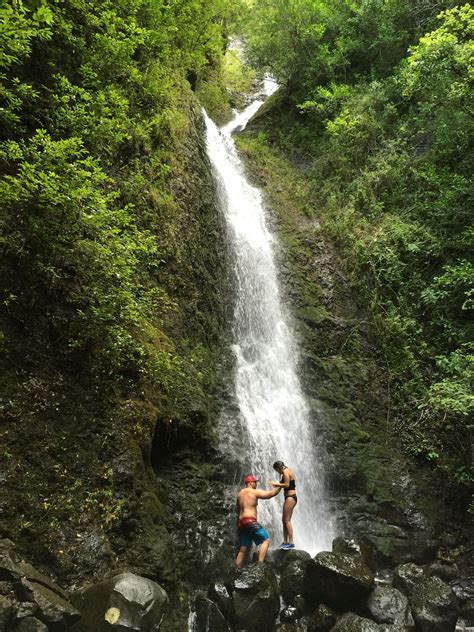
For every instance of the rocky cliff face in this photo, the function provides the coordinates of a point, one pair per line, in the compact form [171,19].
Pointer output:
[89,475]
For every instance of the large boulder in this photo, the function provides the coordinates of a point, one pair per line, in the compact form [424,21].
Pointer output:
[339,580]
[208,616]
[53,609]
[350,622]
[31,600]
[279,558]
[124,602]
[13,568]
[388,605]
[433,603]
[391,544]
[348,546]
[256,598]
[292,579]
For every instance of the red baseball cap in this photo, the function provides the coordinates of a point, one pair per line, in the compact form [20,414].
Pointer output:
[250,479]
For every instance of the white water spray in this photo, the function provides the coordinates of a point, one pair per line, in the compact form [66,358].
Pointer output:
[274,414]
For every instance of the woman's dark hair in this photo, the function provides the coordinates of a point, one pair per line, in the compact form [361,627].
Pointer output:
[278,465]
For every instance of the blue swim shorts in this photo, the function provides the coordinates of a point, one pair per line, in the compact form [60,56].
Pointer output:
[252,532]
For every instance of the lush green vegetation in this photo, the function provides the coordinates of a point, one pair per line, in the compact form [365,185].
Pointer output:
[95,100]
[375,101]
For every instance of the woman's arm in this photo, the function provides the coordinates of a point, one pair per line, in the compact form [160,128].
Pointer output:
[286,480]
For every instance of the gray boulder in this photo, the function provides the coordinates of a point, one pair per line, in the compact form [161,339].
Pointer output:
[292,579]
[391,544]
[52,608]
[13,568]
[346,546]
[280,558]
[351,622]
[289,614]
[388,605]
[339,580]
[256,598]
[433,603]
[322,619]
[208,616]
[124,602]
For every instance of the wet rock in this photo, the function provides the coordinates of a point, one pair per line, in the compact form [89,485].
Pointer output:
[8,561]
[31,624]
[351,622]
[299,602]
[13,568]
[208,616]
[7,589]
[433,603]
[446,572]
[292,579]
[280,559]
[126,601]
[346,546]
[337,579]
[256,598]
[322,619]
[463,588]
[6,612]
[26,609]
[289,614]
[388,605]
[220,595]
[52,608]
[392,513]
[392,545]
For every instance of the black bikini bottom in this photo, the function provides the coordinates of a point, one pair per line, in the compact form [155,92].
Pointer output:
[295,498]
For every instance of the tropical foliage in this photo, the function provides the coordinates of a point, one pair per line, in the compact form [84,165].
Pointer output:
[94,99]
[377,98]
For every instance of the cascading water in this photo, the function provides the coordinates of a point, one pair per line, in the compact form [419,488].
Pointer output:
[275,418]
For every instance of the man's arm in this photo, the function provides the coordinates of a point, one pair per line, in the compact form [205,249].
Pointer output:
[262,493]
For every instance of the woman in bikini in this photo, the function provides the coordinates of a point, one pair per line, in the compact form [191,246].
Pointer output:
[288,483]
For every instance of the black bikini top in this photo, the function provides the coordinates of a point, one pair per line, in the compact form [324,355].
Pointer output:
[292,484]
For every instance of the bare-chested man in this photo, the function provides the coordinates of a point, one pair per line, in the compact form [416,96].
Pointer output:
[249,529]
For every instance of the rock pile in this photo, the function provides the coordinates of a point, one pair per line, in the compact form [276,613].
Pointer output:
[31,602]
[333,591]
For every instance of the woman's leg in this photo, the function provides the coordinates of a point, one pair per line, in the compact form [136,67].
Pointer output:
[288,507]
[285,530]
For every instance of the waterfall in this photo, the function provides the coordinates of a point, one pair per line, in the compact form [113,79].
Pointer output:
[274,418]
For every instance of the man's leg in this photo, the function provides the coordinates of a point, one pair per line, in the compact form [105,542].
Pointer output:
[239,560]
[262,550]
